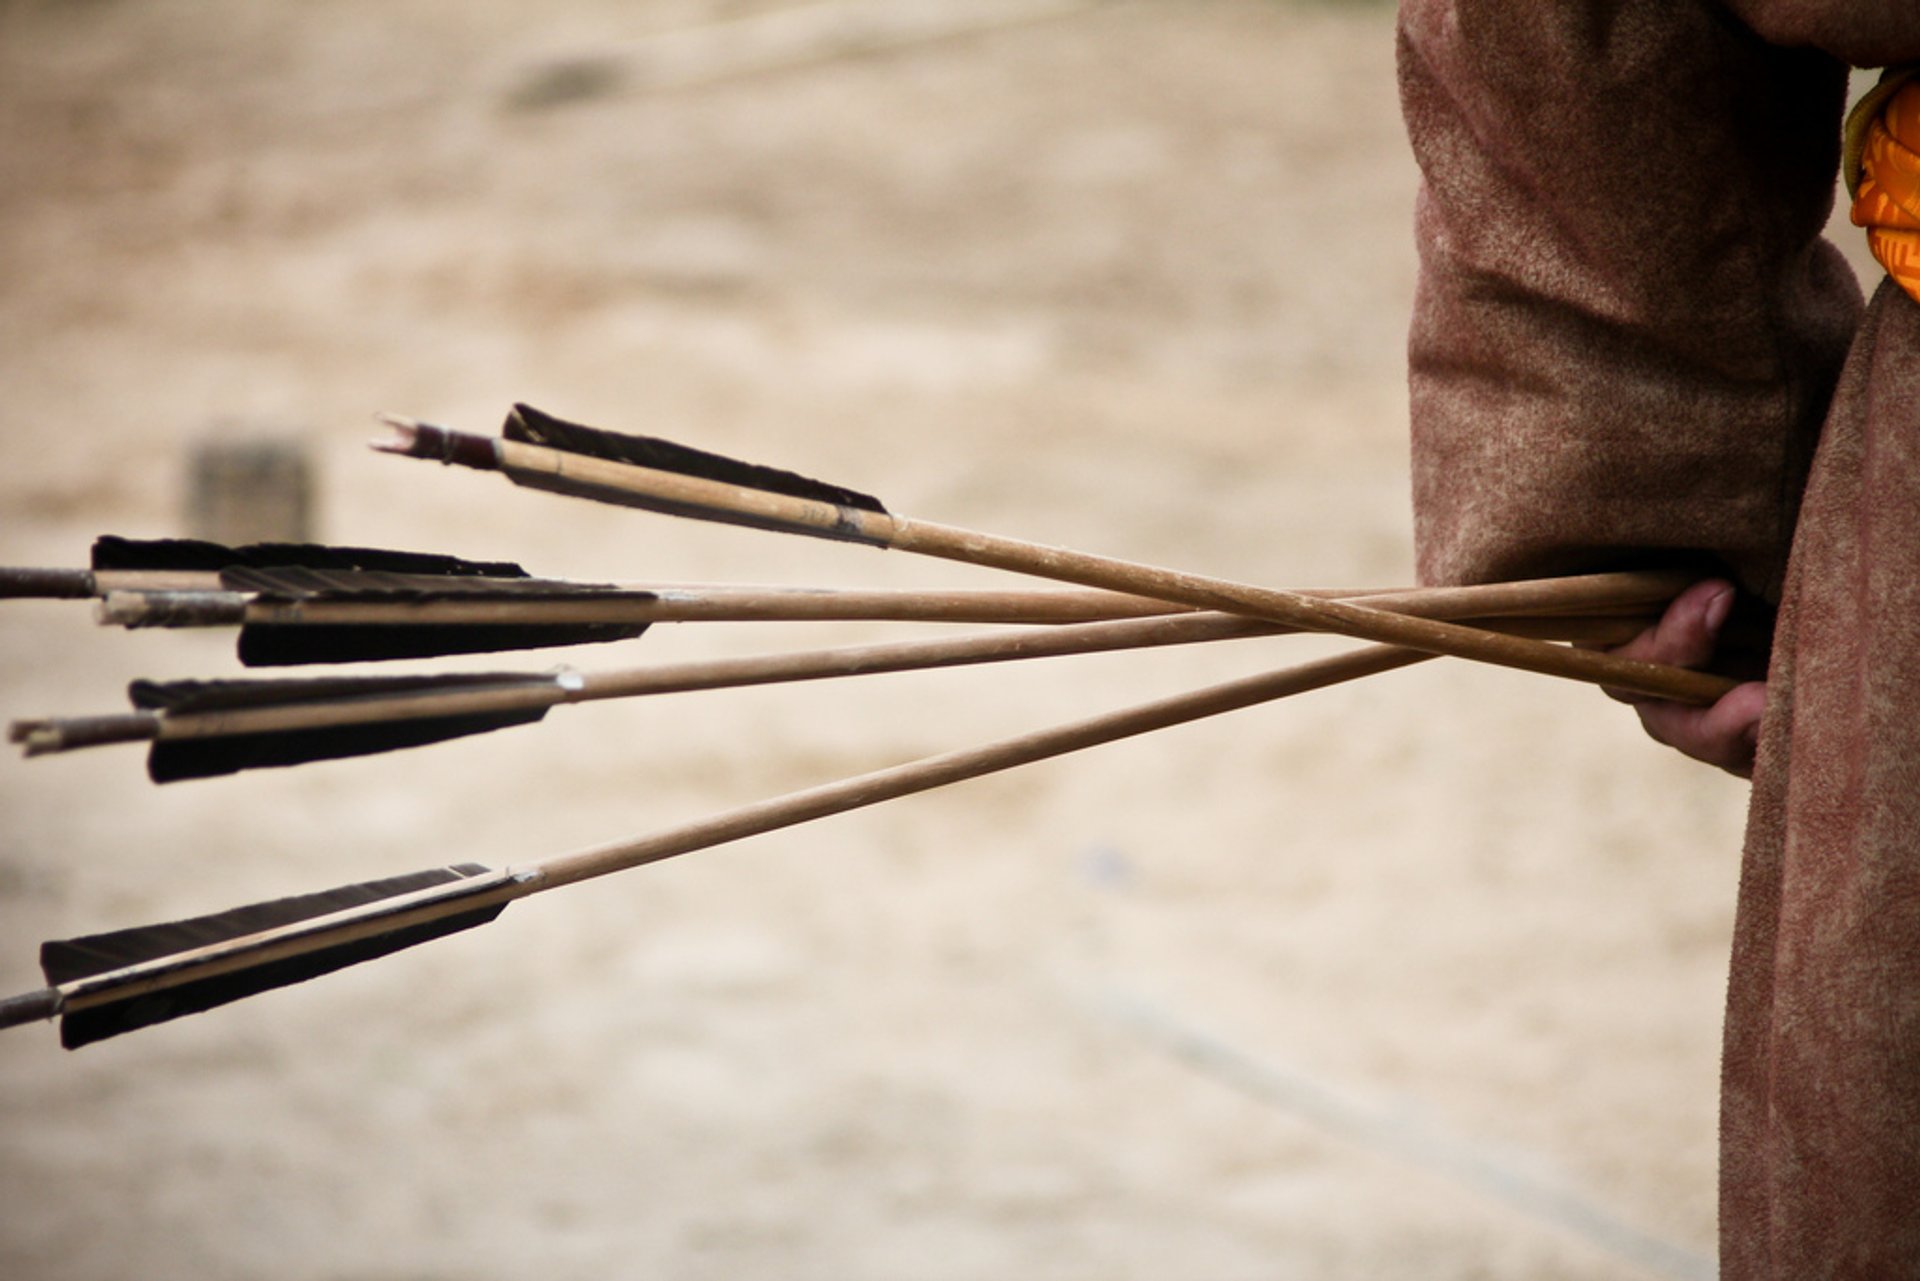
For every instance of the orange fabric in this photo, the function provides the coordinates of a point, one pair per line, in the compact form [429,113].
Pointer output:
[1887,194]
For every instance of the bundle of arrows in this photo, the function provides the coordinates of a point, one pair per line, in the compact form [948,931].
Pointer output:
[298,604]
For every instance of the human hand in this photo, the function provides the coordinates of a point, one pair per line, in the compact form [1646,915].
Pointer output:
[1725,734]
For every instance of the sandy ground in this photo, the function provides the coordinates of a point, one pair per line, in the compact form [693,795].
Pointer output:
[1418,978]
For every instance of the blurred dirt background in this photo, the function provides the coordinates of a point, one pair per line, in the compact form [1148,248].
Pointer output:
[1419,978]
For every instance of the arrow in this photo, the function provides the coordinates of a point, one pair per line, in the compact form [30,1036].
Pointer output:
[310,603]
[105,984]
[173,594]
[542,452]
[201,729]
[187,582]
[180,582]
[583,603]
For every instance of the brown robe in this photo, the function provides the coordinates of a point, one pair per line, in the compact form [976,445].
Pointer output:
[1630,345]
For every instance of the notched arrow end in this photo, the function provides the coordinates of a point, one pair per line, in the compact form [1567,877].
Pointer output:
[403,434]
[411,438]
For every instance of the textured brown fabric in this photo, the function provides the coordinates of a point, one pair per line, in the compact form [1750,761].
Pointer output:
[1626,340]
[1820,1099]
[1866,33]
[1622,343]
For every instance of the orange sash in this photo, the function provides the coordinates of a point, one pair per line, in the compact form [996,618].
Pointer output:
[1883,174]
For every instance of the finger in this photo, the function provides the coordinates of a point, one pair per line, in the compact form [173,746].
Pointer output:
[1686,634]
[1724,735]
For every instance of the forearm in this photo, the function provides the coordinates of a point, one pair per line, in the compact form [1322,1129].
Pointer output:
[1627,326]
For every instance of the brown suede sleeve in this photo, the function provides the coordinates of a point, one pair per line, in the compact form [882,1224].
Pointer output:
[1627,326]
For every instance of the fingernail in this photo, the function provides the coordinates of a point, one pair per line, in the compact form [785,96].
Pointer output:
[1718,608]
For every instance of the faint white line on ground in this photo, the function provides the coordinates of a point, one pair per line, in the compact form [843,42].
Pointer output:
[802,35]
[1379,1128]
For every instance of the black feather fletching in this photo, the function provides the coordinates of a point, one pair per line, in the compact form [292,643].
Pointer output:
[111,552]
[281,645]
[534,427]
[290,644]
[172,760]
[65,960]
[304,582]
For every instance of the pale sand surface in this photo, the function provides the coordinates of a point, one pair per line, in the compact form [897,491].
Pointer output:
[1419,978]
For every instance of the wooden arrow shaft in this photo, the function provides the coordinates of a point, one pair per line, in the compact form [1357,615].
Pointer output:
[954,767]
